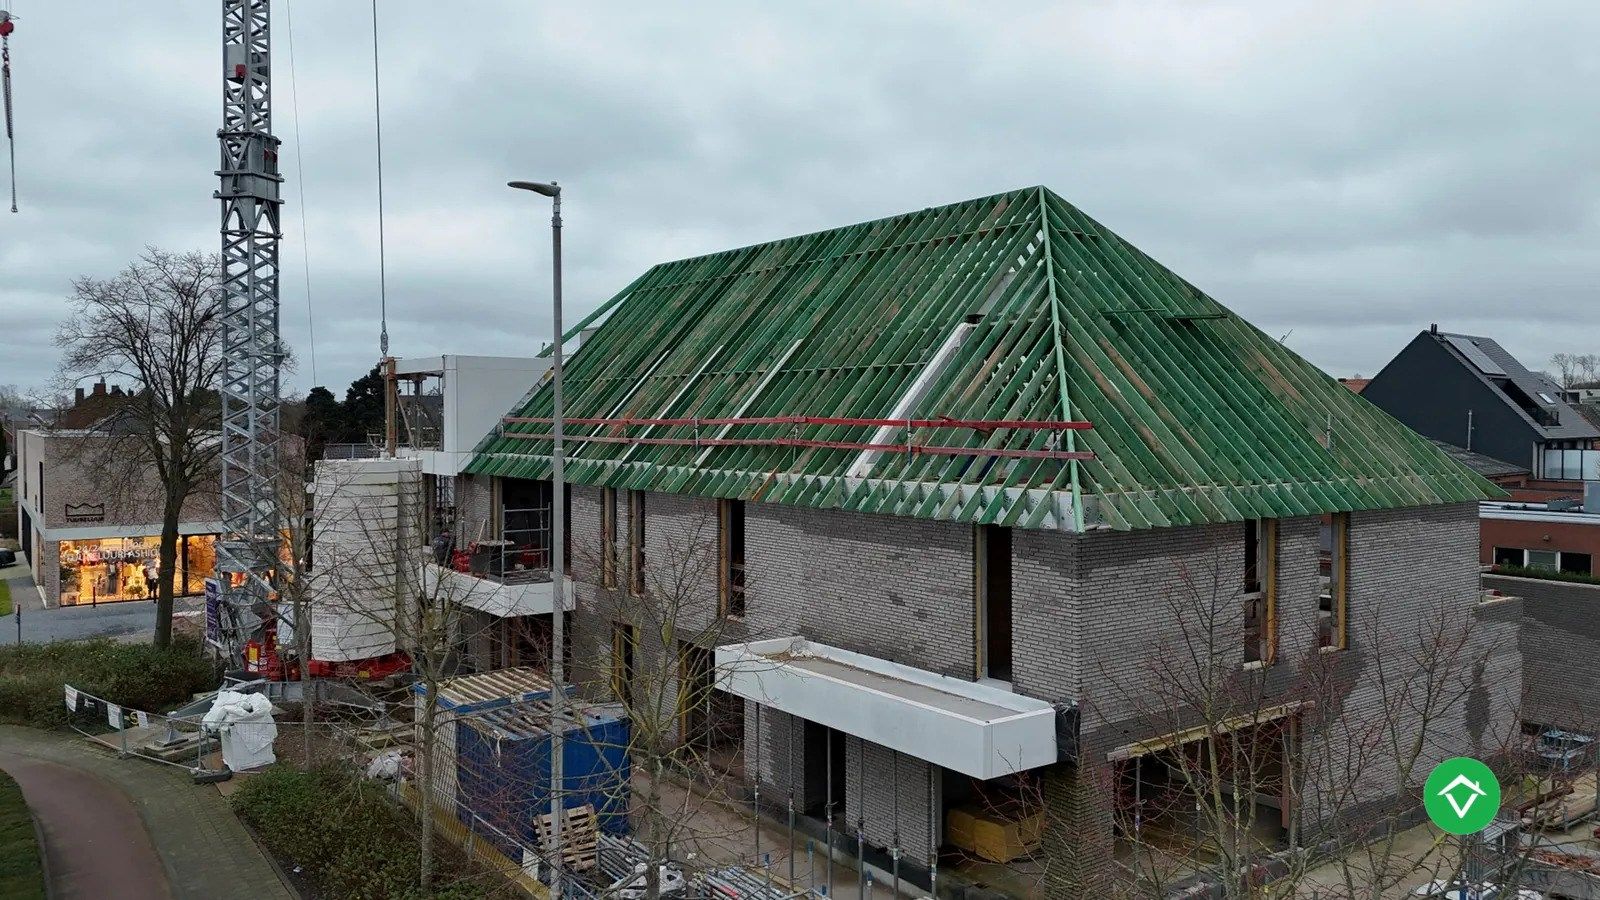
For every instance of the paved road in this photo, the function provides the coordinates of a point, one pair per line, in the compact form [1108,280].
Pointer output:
[130,620]
[204,852]
[96,844]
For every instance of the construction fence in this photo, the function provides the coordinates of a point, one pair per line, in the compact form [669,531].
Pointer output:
[492,803]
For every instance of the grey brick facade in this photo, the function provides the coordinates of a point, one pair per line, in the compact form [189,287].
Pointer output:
[1096,620]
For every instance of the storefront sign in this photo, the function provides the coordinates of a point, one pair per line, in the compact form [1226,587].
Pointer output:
[214,612]
[85,513]
[92,555]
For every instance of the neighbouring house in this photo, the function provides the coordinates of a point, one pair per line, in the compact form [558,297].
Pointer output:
[928,515]
[1559,535]
[94,537]
[1356,384]
[1468,391]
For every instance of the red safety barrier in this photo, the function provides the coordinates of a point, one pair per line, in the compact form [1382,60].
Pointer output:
[913,449]
[975,424]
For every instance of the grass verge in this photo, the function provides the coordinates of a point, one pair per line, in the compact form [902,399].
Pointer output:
[21,866]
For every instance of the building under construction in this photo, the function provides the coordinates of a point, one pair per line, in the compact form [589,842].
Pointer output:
[994,550]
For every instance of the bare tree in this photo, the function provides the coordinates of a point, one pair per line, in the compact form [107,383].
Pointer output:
[157,326]
[1276,780]
[667,609]
[372,586]
[1572,368]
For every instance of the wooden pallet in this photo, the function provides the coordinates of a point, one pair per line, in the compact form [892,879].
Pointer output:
[580,837]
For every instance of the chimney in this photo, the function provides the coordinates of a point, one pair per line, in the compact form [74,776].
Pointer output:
[1434,328]
[100,388]
[77,395]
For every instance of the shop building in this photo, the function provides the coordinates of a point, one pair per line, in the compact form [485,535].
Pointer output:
[94,538]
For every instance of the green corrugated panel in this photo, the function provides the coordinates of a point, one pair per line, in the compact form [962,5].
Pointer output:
[1199,417]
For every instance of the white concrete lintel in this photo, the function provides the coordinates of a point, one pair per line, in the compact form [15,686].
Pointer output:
[977,729]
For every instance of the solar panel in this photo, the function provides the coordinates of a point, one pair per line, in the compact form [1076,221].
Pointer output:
[1476,356]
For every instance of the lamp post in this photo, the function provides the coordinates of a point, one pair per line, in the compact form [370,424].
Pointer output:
[558,489]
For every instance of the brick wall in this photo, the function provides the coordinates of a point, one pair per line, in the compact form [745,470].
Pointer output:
[895,588]
[681,606]
[1561,639]
[1097,619]
[1416,623]
[878,785]
[79,471]
[474,508]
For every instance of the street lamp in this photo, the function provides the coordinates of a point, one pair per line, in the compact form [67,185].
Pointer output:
[558,489]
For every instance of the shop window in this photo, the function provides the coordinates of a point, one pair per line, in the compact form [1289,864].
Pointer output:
[199,559]
[108,570]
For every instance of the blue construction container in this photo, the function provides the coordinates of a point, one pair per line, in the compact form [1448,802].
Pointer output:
[470,695]
[503,768]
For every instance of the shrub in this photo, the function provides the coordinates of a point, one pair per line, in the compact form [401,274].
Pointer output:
[137,676]
[21,868]
[1546,574]
[346,836]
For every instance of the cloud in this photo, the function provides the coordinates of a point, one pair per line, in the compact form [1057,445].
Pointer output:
[1351,171]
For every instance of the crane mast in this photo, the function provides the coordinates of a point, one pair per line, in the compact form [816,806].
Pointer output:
[252,354]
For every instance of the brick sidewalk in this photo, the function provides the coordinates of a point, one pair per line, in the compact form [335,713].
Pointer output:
[203,847]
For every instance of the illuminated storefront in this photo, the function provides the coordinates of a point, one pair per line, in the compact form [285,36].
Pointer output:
[102,570]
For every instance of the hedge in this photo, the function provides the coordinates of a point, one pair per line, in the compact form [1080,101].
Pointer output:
[137,676]
[1546,574]
[345,835]
[21,866]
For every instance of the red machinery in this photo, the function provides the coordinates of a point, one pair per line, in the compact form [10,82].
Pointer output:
[261,658]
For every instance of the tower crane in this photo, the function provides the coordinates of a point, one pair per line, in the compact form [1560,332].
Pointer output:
[252,354]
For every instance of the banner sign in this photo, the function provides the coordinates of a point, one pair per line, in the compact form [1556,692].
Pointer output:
[213,612]
[72,699]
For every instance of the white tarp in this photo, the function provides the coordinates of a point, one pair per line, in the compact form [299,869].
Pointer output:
[244,722]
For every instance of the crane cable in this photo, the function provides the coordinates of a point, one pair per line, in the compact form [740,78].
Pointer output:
[300,183]
[377,111]
[6,27]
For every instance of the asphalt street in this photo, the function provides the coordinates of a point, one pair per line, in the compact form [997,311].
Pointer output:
[132,620]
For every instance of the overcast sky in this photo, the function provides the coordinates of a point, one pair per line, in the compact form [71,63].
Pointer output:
[1349,171]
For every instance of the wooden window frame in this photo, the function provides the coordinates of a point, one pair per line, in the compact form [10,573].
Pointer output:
[731,596]
[1339,582]
[1265,540]
[636,542]
[608,537]
[624,650]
